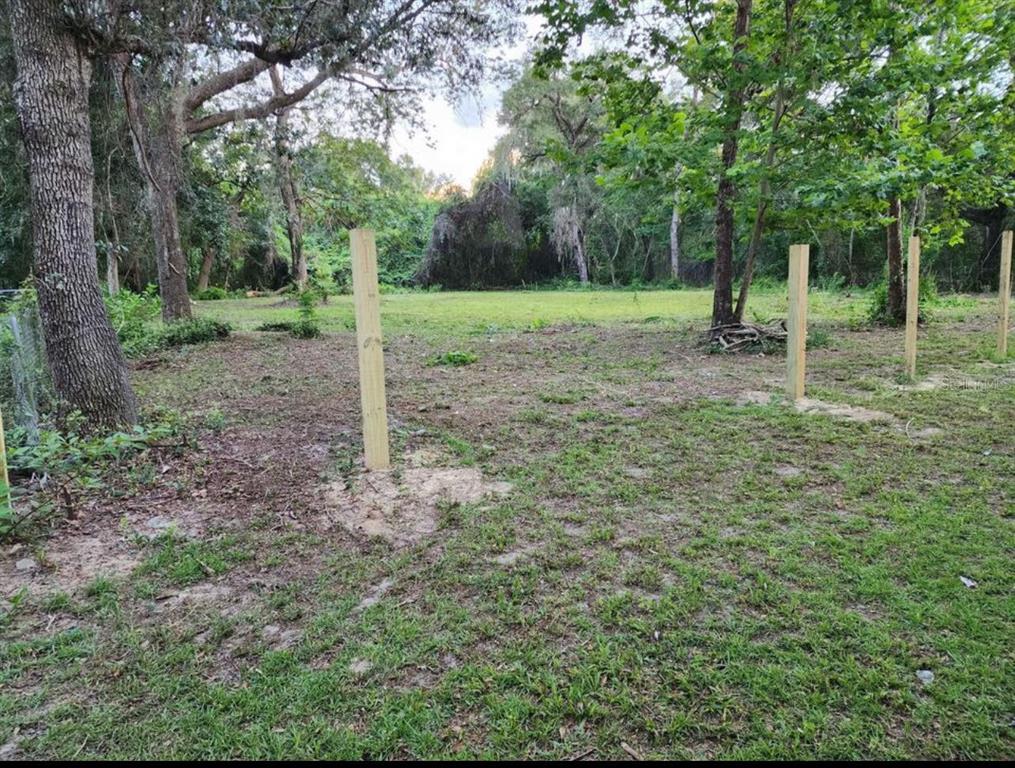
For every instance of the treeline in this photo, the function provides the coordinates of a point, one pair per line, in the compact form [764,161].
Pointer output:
[702,138]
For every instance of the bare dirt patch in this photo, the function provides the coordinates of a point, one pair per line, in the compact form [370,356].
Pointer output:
[839,411]
[403,507]
[68,563]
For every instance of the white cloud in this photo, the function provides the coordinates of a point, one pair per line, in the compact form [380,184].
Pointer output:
[458,138]
[461,136]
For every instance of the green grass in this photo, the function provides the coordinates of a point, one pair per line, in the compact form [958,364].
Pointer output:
[673,572]
[486,312]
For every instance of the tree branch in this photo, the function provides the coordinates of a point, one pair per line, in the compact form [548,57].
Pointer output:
[223,81]
[257,111]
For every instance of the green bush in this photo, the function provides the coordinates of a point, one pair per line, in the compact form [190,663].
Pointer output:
[878,312]
[196,331]
[455,358]
[305,329]
[212,294]
[75,455]
[819,338]
[133,316]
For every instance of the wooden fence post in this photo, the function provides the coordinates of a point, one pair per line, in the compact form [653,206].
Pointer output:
[1004,291]
[796,324]
[366,297]
[912,304]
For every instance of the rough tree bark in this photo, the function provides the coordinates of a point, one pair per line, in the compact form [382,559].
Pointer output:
[722,302]
[207,261]
[51,98]
[896,274]
[112,254]
[158,146]
[287,186]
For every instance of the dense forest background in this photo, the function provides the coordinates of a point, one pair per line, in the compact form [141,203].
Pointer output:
[604,175]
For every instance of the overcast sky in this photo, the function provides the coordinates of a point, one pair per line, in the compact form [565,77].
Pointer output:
[461,136]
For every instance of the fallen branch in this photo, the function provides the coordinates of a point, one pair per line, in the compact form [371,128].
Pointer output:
[734,337]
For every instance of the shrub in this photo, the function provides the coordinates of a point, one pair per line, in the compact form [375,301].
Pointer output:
[196,331]
[818,338]
[212,294]
[79,458]
[878,312]
[306,326]
[132,315]
[455,358]
[305,329]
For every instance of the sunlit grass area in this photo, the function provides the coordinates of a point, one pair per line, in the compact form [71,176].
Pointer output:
[478,311]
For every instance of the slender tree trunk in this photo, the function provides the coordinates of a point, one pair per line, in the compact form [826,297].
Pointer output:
[896,273]
[207,260]
[158,148]
[722,303]
[112,273]
[849,256]
[579,251]
[51,95]
[675,222]
[287,186]
[165,158]
[752,252]
[675,237]
[113,252]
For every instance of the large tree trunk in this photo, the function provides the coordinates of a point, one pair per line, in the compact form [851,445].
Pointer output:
[158,147]
[722,302]
[287,186]
[896,274]
[51,94]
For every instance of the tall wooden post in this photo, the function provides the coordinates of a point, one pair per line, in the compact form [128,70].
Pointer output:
[796,324]
[1004,291]
[371,348]
[912,304]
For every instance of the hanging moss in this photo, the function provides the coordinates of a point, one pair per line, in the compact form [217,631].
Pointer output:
[481,243]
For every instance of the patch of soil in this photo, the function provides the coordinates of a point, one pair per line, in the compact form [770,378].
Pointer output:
[754,397]
[71,561]
[402,508]
[839,411]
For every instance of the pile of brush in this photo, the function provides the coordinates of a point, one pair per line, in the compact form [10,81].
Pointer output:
[735,337]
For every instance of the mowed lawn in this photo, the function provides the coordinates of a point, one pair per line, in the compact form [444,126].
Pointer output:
[675,563]
[465,313]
